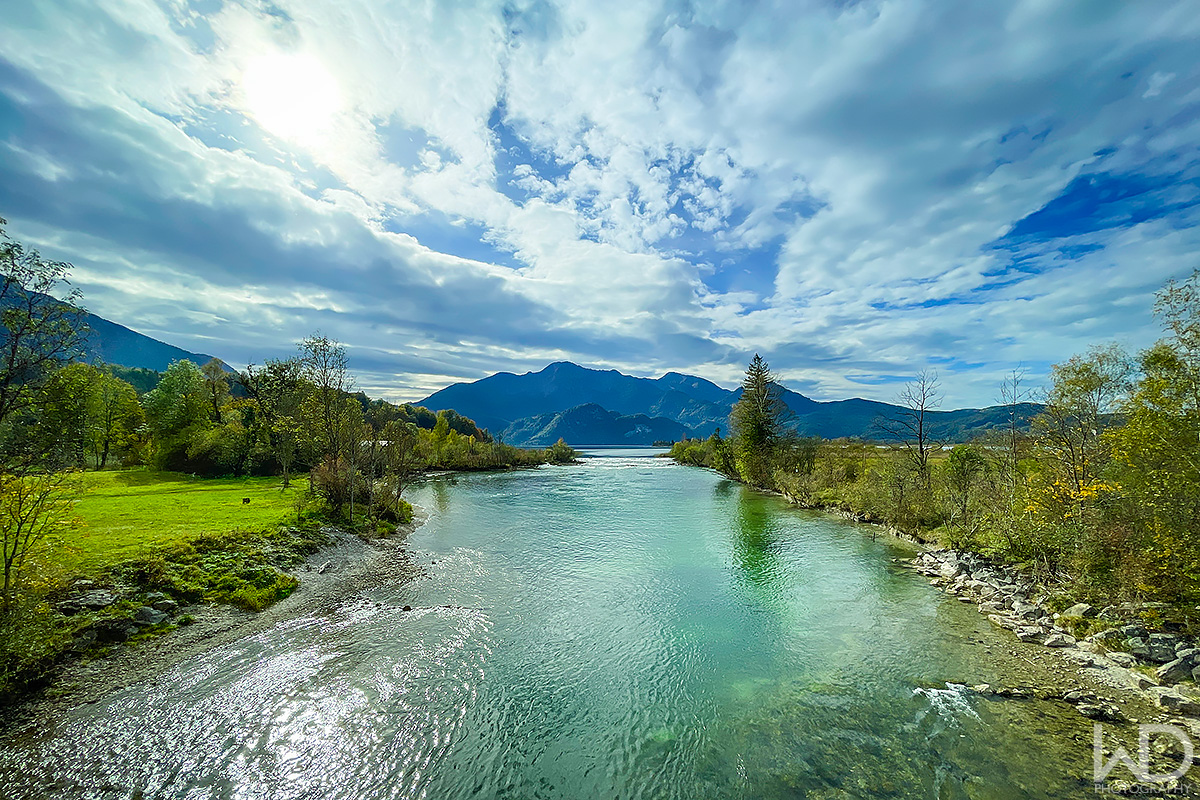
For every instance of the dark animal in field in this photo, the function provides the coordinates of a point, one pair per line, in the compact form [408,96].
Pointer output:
[245,500]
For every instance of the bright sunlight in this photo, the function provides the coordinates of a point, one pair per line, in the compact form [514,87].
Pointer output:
[291,95]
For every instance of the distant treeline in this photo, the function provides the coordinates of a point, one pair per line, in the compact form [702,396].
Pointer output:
[1101,491]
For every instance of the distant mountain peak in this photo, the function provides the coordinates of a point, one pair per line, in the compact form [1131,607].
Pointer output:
[533,406]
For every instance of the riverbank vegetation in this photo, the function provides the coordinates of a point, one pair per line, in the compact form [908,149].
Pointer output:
[1100,494]
[126,494]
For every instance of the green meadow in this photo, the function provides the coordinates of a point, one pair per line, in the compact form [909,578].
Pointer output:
[127,514]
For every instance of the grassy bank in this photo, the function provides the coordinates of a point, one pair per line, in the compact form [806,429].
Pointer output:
[125,514]
[151,541]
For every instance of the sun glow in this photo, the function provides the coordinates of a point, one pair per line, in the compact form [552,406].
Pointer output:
[292,96]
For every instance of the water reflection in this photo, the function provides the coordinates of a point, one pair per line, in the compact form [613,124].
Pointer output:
[756,546]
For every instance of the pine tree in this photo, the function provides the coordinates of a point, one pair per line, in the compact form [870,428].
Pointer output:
[756,423]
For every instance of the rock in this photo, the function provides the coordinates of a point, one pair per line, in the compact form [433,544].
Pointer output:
[152,597]
[1173,701]
[990,608]
[1139,648]
[114,630]
[328,565]
[1078,696]
[166,605]
[1122,659]
[1080,610]
[982,688]
[1186,650]
[1173,672]
[1134,631]
[1162,647]
[407,608]
[1029,633]
[1196,675]
[1027,611]
[1003,622]
[96,599]
[1140,681]
[1059,640]
[149,616]
[1100,710]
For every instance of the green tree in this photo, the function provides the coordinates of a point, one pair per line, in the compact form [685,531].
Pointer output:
[116,417]
[1086,392]
[40,331]
[325,367]
[216,381]
[965,470]
[278,389]
[31,508]
[178,411]
[757,423]
[1156,453]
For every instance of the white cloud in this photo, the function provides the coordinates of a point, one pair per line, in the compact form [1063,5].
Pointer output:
[858,160]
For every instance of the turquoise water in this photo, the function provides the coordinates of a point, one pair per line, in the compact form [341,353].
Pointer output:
[624,628]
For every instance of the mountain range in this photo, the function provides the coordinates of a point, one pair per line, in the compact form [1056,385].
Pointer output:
[111,343]
[599,407]
[606,407]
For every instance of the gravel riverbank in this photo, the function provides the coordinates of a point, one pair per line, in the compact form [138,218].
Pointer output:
[347,567]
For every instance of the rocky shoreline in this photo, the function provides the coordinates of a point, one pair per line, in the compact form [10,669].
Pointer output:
[1127,651]
[346,567]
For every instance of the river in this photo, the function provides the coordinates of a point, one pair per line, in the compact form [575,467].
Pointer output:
[622,628]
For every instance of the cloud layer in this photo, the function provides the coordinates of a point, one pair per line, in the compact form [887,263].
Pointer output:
[855,190]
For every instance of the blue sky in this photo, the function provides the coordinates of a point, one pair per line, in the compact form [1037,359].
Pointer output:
[858,191]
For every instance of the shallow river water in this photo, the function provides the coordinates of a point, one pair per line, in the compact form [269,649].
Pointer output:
[623,628]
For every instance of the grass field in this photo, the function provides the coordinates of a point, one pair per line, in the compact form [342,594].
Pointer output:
[125,514]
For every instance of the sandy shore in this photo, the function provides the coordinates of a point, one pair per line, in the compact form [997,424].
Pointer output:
[355,565]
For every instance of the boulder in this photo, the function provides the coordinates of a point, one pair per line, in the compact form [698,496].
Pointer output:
[1059,640]
[1173,672]
[990,608]
[111,631]
[1122,659]
[1030,633]
[1162,647]
[149,616]
[1174,701]
[1026,610]
[1134,631]
[166,605]
[1100,710]
[1139,648]
[96,599]
[1080,610]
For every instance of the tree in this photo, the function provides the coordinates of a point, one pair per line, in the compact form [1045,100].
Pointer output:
[217,383]
[757,422]
[911,425]
[965,469]
[31,508]
[1156,453]
[115,416]
[38,332]
[1086,392]
[177,411]
[325,366]
[278,389]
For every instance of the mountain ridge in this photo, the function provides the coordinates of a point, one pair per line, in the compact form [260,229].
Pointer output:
[509,402]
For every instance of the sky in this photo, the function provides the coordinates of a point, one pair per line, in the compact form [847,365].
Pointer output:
[856,190]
